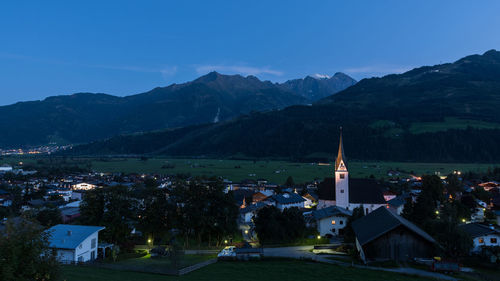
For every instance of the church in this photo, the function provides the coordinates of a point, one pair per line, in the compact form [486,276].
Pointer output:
[347,193]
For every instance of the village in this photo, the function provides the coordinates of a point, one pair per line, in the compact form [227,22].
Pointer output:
[95,218]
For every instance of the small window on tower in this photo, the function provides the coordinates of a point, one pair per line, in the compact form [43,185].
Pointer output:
[341,191]
[333,221]
[342,176]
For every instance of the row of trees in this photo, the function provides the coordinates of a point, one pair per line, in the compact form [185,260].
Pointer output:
[197,210]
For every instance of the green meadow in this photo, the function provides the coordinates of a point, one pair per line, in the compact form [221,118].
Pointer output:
[237,170]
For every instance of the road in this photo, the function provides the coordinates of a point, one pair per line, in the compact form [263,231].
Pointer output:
[304,252]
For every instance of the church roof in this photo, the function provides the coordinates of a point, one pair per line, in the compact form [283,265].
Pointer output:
[361,191]
[381,221]
[340,154]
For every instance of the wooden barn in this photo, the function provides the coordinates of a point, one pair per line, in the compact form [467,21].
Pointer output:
[383,235]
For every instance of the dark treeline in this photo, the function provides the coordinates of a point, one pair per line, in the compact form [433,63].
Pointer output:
[197,210]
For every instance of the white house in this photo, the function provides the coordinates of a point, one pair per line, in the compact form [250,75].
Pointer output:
[83,186]
[248,213]
[331,220]
[74,243]
[482,235]
[288,200]
[5,168]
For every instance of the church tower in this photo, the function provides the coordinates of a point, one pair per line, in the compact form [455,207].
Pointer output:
[341,177]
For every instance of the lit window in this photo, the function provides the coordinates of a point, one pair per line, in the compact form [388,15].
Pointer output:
[493,240]
[481,240]
[333,221]
[342,176]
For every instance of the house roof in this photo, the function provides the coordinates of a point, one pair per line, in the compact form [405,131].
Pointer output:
[381,221]
[66,236]
[476,230]
[397,201]
[361,191]
[287,198]
[330,212]
[252,208]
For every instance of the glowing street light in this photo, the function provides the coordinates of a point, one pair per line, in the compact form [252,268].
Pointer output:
[319,237]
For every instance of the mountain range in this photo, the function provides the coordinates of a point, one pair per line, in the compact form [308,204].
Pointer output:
[84,117]
[446,112]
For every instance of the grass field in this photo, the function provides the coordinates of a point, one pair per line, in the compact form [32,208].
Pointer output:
[274,270]
[237,170]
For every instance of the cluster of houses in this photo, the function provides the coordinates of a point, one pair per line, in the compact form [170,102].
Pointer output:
[382,233]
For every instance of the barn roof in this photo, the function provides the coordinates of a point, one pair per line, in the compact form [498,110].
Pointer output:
[381,221]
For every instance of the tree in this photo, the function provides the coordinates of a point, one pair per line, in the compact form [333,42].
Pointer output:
[289,182]
[49,216]
[111,207]
[25,253]
[274,226]
[153,212]
[357,213]
[454,241]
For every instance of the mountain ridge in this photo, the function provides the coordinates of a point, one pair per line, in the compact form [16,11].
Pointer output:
[379,117]
[84,117]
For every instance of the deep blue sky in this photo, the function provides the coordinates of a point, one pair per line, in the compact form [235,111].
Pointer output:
[126,47]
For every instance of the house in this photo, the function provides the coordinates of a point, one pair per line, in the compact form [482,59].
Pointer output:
[249,212]
[388,195]
[482,235]
[331,220]
[83,186]
[311,199]
[4,168]
[261,195]
[384,235]
[74,243]
[397,204]
[70,213]
[349,193]
[287,200]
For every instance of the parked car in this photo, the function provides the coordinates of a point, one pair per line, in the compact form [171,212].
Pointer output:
[234,253]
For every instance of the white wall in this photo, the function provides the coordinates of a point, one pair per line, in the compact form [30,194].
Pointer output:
[486,241]
[325,226]
[84,249]
[284,206]
[370,207]
[64,255]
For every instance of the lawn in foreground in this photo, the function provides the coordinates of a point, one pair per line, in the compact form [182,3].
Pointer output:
[146,262]
[268,270]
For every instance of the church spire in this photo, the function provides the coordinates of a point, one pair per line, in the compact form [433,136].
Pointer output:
[340,163]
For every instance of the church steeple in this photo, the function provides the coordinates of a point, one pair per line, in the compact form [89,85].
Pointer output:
[340,162]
